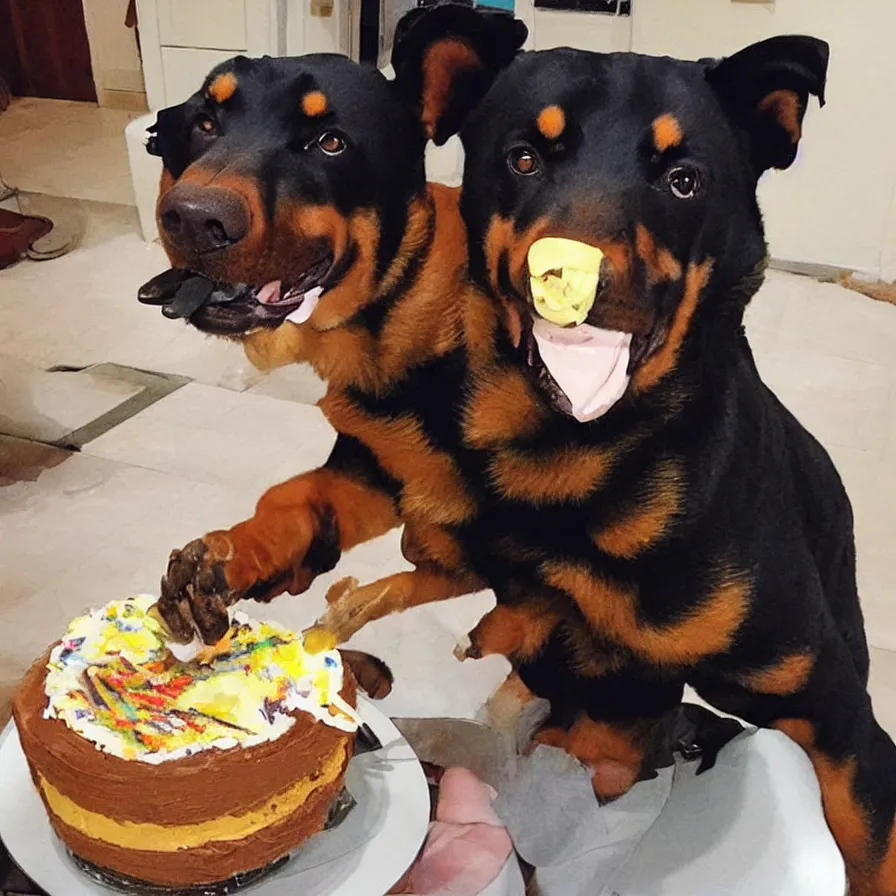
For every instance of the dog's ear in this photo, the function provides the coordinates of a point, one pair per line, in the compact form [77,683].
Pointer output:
[169,138]
[765,89]
[446,57]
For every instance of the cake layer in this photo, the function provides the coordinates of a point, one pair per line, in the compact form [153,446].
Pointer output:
[216,860]
[186,791]
[184,773]
[170,838]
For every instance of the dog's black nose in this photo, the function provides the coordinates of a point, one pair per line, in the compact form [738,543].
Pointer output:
[199,219]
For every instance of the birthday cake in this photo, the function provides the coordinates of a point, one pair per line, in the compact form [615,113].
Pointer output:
[184,773]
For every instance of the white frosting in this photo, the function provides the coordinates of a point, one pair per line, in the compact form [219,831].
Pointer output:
[113,680]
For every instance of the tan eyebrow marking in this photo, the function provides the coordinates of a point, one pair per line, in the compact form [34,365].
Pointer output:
[314,104]
[667,132]
[551,122]
[223,87]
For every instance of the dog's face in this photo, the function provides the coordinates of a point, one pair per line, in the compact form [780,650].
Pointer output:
[646,170]
[282,178]
[288,182]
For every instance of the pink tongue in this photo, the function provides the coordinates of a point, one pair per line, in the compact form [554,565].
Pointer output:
[269,293]
[587,363]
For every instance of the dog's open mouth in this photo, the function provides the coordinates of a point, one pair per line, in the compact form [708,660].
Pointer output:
[233,309]
[583,367]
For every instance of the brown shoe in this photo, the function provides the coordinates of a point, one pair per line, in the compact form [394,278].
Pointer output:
[17,233]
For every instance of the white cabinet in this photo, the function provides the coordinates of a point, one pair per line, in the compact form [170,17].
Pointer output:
[208,24]
[182,39]
[184,69]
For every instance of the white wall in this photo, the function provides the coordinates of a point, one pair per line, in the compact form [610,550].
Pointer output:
[113,50]
[837,204]
[549,28]
[306,33]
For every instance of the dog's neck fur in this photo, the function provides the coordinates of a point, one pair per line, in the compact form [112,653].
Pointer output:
[426,295]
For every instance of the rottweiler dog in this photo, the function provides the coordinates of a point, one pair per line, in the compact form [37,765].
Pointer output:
[653,477]
[586,433]
[295,212]
[294,209]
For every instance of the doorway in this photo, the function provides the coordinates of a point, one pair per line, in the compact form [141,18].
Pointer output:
[44,50]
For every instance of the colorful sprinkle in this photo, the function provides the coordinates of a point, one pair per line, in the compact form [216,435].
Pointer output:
[113,681]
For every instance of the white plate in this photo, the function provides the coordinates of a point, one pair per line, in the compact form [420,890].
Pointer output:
[364,856]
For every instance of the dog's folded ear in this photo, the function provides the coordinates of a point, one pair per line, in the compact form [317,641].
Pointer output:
[169,138]
[765,89]
[446,57]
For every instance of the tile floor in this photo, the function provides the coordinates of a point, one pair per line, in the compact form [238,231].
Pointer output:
[99,524]
[66,149]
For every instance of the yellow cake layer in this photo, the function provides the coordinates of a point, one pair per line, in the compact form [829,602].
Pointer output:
[169,838]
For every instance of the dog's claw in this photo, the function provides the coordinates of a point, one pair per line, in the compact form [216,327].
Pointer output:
[465,650]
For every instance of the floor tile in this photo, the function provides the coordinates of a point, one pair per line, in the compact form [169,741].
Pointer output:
[66,149]
[877,573]
[196,404]
[766,309]
[295,382]
[37,404]
[242,440]
[842,401]
[91,530]
[22,460]
[839,322]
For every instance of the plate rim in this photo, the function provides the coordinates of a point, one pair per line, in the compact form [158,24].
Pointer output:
[405,847]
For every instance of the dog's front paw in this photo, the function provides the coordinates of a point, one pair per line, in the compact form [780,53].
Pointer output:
[195,594]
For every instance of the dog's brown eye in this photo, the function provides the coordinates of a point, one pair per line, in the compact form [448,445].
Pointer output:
[684,182]
[206,124]
[331,143]
[523,161]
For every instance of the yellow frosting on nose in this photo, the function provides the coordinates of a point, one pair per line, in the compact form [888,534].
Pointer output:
[563,278]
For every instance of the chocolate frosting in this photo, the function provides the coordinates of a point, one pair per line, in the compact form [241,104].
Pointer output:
[214,862]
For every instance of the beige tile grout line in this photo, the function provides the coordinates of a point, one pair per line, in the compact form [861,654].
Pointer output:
[155,386]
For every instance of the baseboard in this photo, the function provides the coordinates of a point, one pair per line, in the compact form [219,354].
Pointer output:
[128,100]
[825,272]
[829,273]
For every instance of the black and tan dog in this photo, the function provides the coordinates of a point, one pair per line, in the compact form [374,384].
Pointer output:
[295,212]
[646,511]
[695,524]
